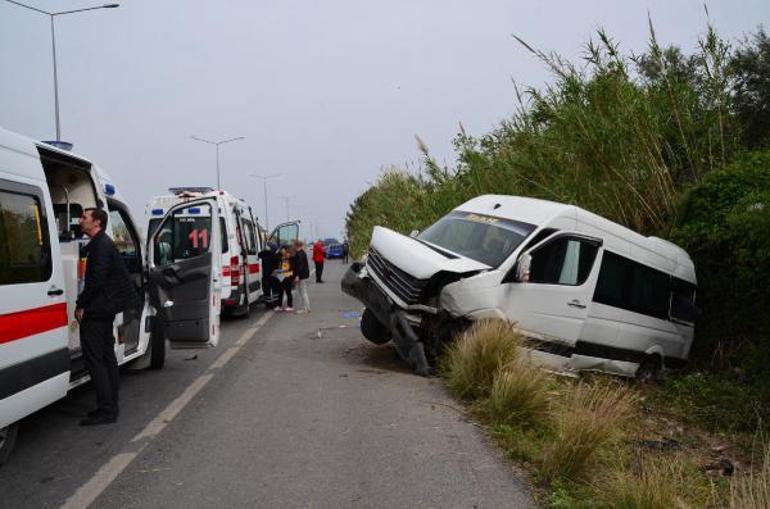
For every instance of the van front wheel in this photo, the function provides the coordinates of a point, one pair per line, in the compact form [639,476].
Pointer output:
[374,330]
[649,370]
[7,441]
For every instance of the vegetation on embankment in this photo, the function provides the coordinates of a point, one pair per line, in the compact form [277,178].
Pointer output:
[596,441]
[668,144]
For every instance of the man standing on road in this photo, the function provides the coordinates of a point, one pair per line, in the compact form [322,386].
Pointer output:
[345,251]
[108,290]
[319,255]
[303,274]
[270,286]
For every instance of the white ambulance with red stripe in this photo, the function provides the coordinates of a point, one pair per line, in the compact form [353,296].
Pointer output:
[241,243]
[43,192]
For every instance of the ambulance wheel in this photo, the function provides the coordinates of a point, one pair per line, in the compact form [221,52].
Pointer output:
[157,347]
[7,441]
[374,330]
[649,370]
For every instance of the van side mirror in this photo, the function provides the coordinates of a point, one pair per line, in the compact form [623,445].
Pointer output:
[522,268]
[414,233]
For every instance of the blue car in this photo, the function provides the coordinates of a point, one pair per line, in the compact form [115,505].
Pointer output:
[335,251]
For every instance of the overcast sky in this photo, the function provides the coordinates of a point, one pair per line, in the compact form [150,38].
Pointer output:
[326,93]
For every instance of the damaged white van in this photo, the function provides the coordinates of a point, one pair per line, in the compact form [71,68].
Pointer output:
[588,293]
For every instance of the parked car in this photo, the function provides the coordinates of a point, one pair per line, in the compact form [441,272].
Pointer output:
[335,251]
[589,293]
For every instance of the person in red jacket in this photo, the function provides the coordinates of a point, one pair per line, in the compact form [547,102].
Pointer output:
[319,255]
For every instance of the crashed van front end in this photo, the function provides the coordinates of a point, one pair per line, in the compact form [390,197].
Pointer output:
[402,284]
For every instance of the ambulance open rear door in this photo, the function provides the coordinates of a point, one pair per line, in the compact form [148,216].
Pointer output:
[184,269]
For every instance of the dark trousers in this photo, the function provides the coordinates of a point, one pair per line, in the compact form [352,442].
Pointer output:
[272,290]
[286,286]
[98,345]
[319,270]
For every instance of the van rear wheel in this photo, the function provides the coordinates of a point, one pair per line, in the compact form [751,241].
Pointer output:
[7,441]
[374,330]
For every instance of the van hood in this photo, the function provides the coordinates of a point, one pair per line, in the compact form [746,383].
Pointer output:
[416,258]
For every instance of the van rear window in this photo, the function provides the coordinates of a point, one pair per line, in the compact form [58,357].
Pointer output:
[25,251]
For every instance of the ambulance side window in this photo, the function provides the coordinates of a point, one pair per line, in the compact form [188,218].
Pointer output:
[25,249]
[250,239]
[184,235]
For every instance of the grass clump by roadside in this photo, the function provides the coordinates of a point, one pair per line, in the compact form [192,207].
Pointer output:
[648,483]
[519,394]
[753,490]
[472,361]
[591,416]
[587,442]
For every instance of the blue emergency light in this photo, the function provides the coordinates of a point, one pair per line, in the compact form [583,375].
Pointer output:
[157,212]
[109,189]
[194,210]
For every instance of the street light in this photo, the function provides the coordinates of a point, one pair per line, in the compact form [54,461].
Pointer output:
[264,186]
[287,199]
[52,15]
[217,143]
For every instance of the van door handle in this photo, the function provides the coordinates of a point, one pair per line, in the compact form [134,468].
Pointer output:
[576,304]
[55,291]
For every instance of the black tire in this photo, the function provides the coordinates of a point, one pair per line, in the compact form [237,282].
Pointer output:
[7,441]
[374,330]
[649,370]
[157,346]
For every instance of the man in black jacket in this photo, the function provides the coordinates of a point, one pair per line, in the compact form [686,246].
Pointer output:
[108,291]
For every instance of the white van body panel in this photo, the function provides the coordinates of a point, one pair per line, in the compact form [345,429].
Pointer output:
[415,257]
[563,315]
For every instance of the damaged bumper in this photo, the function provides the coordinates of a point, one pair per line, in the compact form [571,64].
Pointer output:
[395,319]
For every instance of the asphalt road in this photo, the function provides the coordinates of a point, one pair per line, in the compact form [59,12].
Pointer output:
[289,411]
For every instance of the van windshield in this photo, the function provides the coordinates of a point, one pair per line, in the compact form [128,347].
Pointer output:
[483,238]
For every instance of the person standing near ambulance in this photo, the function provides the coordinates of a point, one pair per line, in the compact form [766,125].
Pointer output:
[319,255]
[108,290]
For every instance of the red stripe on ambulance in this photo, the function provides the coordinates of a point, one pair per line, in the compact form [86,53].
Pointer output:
[26,323]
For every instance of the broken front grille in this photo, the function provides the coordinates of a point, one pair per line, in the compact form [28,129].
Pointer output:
[408,288]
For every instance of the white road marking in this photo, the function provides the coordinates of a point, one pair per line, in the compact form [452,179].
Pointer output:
[87,493]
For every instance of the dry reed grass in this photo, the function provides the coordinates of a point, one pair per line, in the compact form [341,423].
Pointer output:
[519,394]
[471,362]
[591,416]
[753,490]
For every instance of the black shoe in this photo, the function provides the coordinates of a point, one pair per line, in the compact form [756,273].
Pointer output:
[98,419]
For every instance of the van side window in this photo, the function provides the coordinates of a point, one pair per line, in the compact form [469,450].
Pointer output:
[630,285]
[25,250]
[683,301]
[564,261]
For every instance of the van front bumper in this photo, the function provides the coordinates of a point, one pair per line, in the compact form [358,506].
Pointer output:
[357,284]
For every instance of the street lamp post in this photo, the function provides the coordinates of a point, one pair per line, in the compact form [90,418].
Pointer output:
[264,187]
[286,199]
[217,144]
[52,15]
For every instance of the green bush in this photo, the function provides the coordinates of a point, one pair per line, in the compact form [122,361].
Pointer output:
[725,226]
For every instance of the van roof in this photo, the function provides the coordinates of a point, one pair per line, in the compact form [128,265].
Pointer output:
[28,146]
[657,252]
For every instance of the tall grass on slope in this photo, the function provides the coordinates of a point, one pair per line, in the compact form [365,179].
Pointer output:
[753,490]
[658,483]
[519,394]
[591,416]
[471,362]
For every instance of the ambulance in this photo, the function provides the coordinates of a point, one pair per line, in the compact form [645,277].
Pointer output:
[241,242]
[178,274]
